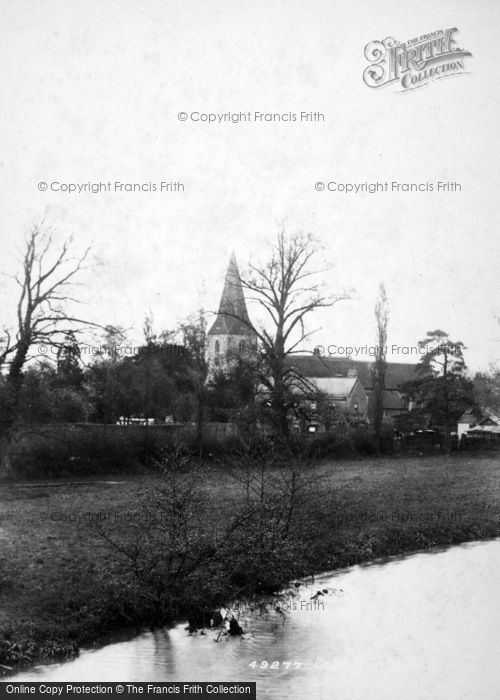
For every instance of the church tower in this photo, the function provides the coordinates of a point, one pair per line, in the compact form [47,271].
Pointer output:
[230,337]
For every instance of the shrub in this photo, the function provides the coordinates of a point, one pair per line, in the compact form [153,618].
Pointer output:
[331,444]
[258,554]
[173,568]
[72,451]
[363,441]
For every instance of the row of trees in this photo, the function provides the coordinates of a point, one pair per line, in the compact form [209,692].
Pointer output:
[151,383]
[168,375]
[282,287]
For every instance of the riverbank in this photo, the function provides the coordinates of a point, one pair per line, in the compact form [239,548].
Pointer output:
[54,565]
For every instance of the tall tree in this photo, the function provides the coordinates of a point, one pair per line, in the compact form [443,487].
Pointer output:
[69,366]
[380,364]
[194,338]
[442,389]
[487,389]
[285,288]
[487,384]
[43,321]
[231,393]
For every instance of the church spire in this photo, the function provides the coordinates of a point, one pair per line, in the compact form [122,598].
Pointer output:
[232,303]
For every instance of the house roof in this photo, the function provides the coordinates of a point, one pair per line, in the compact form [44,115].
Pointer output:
[316,366]
[337,387]
[478,415]
[467,419]
[393,401]
[486,429]
[489,420]
[491,416]
[397,373]
[232,317]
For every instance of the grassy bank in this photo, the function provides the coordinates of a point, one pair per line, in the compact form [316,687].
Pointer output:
[61,586]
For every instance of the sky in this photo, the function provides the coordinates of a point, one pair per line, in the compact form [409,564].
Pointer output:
[92,92]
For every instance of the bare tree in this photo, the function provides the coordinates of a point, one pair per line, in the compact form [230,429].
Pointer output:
[42,322]
[285,289]
[380,364]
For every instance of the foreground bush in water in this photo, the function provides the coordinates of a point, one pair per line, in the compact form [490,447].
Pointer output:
[173,567]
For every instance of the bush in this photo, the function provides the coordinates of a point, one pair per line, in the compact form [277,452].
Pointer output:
[73,451]
[330,444]
[259,555]
[363,441]
[348,442]
[91,449]
[170,567]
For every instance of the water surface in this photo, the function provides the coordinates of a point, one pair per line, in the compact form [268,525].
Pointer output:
[424,627]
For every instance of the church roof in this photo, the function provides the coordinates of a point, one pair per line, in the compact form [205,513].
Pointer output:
[232,304]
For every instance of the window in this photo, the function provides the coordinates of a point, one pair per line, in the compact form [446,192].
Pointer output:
[242,345]
[217,347]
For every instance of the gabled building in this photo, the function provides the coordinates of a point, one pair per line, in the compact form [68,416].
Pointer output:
[478,422]
[467,420]
[327,373]
[346,393]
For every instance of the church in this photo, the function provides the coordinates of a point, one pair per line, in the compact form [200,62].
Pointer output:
[231,335]
[347,383]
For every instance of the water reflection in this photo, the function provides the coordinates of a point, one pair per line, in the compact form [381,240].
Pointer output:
[423,626]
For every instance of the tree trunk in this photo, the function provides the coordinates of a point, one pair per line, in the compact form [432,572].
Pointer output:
[5,456]
[199,422]
[378,408]
[280,413]
[8,418]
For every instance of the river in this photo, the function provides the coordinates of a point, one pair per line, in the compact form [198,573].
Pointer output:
[424,626]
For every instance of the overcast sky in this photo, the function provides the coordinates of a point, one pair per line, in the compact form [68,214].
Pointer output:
[91,92]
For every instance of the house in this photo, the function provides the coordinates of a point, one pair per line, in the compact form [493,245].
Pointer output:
[467,420]
[326,401]
[329,373]
[345,392]
[478,423]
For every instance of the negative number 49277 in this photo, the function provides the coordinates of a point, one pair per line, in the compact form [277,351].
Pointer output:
[276,665]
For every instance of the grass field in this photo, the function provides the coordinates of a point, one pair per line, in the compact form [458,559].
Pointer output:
[53,562]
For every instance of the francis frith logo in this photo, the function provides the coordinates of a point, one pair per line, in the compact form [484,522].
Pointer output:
[416,62]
